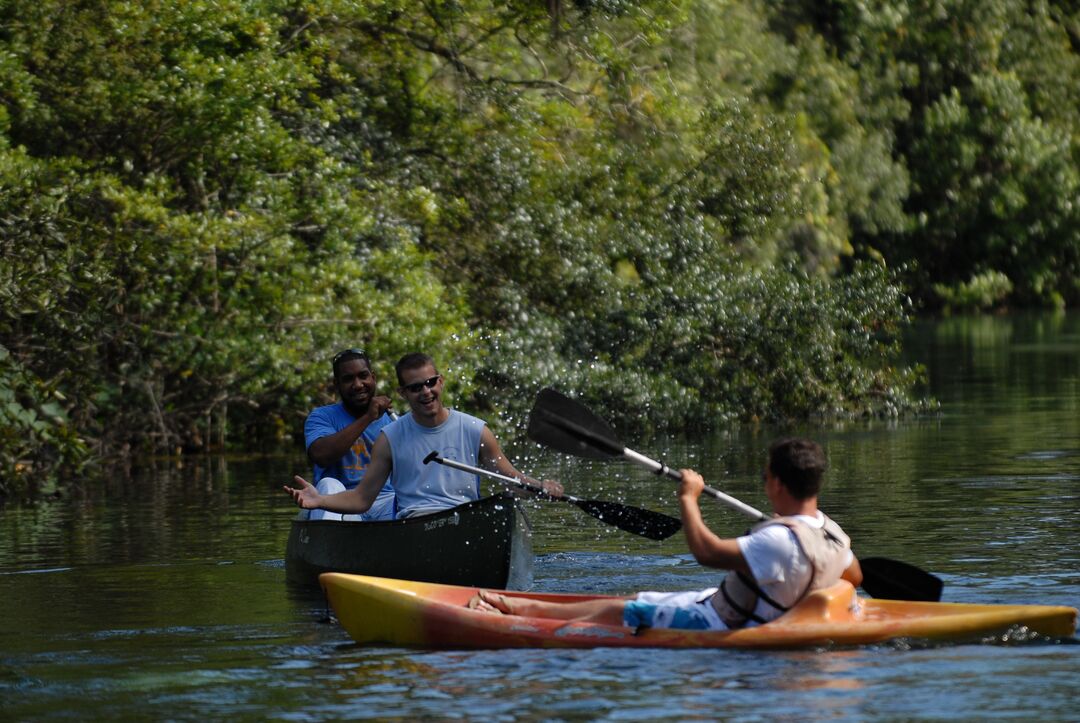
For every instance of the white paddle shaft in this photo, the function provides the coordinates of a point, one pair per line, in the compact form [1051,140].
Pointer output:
[661,468]
[495,475]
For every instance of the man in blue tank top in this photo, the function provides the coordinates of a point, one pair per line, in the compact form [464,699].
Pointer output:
[339,437]
[402,446]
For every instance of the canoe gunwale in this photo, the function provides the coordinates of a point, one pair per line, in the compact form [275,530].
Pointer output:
[485,542]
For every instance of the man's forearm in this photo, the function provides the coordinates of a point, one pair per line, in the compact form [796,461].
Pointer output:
[326,451]
[706,546]
[349,501]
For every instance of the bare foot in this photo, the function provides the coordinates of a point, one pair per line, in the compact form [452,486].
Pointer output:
[478,603]
[490,602]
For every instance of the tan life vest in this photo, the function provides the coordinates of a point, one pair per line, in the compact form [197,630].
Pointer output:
[825,547]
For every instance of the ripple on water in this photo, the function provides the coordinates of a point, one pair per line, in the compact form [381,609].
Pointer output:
[1047,454]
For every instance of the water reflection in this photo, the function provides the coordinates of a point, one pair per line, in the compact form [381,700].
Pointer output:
[163,596]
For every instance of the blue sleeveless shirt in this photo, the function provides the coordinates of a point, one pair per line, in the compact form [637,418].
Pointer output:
[423,488]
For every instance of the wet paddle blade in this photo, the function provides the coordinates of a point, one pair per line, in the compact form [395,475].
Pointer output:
[646,523]
[895,580]
[568,426]
[649,524]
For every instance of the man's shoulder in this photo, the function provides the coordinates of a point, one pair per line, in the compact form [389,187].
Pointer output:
[380,424]
[779,533]
[327,413]
[466,419]
[816,520]
[773,538]
[773,529]
[396,429]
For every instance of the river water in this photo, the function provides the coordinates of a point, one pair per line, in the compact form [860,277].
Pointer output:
[164,596]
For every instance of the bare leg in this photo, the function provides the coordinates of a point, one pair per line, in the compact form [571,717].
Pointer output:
[608,611]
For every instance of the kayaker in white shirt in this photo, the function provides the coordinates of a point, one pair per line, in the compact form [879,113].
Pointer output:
[770,569]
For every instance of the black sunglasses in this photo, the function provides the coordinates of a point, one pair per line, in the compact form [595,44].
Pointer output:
[358,353]
[417,386]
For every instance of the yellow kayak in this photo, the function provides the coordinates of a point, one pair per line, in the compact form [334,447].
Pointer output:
[376,610]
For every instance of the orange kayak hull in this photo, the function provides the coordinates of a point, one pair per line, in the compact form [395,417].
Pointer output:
[406,613]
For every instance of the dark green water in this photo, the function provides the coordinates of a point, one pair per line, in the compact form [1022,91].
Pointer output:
[164,597]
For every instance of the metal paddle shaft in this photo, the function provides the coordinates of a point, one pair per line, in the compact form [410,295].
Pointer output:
[586,435]
[646,523]
[569,426]
[663,469]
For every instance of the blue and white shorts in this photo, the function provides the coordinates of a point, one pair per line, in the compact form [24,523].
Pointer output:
[691,610]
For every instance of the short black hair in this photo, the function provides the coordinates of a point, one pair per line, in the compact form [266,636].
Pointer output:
[348,355]
[800,465]
[413,360]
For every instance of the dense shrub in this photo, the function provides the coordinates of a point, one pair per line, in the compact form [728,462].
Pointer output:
[684,212]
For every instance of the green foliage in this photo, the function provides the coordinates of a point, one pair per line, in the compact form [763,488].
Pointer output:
[34,427]
[1011,177]
[990,142]
[981,292]
[179,258]
[663,206]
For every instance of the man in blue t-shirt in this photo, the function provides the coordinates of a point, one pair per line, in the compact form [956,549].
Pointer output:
[339,437]
[401,447]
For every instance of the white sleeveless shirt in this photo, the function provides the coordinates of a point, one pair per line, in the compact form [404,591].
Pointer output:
[422,488]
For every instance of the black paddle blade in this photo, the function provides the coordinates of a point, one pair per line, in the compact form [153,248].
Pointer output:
[635,520]
[895,580]
[558,421]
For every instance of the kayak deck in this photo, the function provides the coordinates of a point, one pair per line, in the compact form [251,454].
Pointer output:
[418,614]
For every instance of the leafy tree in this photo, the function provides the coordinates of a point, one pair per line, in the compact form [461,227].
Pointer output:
[990,141]
[183,252]
[653,204]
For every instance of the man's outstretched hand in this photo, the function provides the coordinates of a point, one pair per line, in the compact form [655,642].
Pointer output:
[306,496]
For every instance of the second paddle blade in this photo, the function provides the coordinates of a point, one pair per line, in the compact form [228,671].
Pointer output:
[636,520]
[568,426]
[896,580]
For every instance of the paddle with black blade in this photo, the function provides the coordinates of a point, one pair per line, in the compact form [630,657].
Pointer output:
[560,422]
[635,520]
